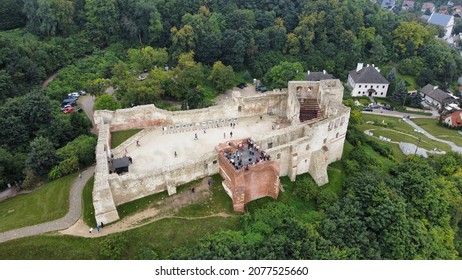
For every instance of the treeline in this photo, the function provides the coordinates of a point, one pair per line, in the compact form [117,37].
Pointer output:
[98,43]
[411,210]
[256,35]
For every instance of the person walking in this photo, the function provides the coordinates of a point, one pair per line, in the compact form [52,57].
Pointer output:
[102,225]
[175,154]
[90,230]
[224,135]
[231,134]
[195,136]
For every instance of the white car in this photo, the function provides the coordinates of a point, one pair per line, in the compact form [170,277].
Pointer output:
[141,78]
[74,95]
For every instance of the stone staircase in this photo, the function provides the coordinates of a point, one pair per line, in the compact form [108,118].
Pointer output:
[309,109]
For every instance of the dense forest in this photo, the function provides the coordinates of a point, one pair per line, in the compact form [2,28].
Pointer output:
[189,51]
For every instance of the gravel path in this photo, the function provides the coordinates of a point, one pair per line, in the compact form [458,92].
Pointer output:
[75,209]
[378,112]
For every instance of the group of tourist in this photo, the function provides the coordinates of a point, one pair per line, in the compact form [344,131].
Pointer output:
[239,160]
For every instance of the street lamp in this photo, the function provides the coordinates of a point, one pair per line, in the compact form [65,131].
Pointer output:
[418,143]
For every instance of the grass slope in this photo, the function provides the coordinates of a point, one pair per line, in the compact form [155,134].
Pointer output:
[118,137]
[398,130]
[50,202]
[162,236]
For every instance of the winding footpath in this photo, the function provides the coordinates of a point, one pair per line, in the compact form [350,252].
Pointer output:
[75,210]
[454,147]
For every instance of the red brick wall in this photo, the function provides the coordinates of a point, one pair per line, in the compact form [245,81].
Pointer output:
[262,179]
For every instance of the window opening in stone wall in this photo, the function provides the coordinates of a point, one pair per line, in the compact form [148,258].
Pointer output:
[239,108]
[325,140]
[215,162]
[336,136]
[278,156]
[307,147]
[270,145]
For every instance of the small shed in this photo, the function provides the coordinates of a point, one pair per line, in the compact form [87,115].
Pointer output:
[120,165]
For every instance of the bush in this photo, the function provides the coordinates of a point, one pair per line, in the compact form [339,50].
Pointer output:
[381,148]
[326,199]
[306,189]
[31,180]
[113,247]
[146,254]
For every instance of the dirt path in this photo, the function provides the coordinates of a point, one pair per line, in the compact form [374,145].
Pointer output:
[162,209]
[49,79]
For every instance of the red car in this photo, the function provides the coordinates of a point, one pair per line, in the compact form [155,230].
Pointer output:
[68,110]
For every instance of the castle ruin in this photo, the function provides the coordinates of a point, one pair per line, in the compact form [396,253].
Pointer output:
[301,128]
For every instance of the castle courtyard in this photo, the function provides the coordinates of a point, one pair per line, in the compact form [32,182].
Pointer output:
[157,149]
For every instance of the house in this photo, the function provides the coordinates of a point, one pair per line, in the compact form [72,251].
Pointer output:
[367,81]
[317,76]
[428,6]
[457,9]
[408,5]
[388,4]
[454,119]
[443,20]
[435,96]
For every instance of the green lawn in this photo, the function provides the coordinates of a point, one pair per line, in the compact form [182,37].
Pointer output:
[49,202]
[432,127]
[162,236]
[391,127]
[118,137]
[87,200]
[363,100]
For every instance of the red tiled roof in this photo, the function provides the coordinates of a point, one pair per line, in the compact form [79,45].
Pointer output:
[456,118]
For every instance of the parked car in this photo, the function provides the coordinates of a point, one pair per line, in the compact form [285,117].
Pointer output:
[388,107]
[242,85]
[66,107]
[141,78]
[375,106]
[261,88]
[74,95]
[71,101]
[68,110]
[82,92]
[367,109]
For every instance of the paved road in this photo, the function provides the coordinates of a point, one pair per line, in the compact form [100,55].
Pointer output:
[75,210]
[87,102]
[396,114]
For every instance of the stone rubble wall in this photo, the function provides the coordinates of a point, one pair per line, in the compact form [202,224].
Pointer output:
[129,186]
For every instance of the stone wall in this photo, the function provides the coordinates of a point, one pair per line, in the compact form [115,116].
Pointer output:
[129,186]
[105,208]
[148,116]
